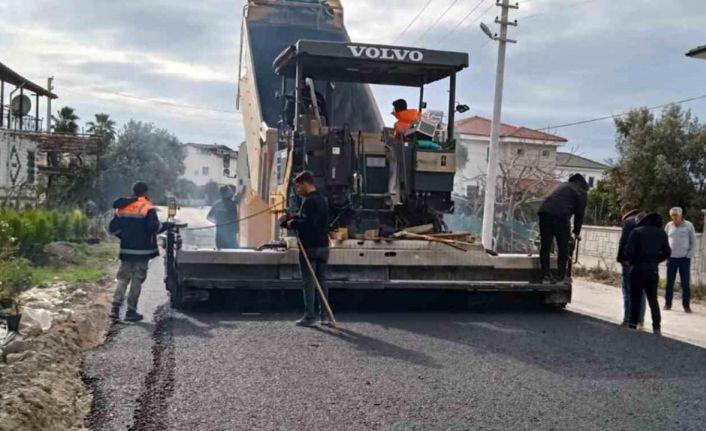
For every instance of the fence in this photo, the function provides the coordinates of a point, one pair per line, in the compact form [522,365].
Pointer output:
[599,247]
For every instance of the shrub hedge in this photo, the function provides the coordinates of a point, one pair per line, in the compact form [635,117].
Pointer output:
[32,230]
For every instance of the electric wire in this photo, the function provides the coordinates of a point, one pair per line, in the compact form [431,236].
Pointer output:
[622,114]
[438,19]
[460,23]
[563,7]
[412,22]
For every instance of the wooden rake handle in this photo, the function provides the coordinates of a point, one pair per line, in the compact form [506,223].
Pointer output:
[322,297]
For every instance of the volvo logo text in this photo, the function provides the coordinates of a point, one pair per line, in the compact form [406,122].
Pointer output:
[386,53]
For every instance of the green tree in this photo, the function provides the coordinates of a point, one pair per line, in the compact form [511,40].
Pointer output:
[103,127]
[653,159]
[662,161]
[604,201]
[143,152]
[65,121]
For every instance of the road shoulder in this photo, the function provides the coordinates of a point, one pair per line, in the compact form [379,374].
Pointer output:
[606,303]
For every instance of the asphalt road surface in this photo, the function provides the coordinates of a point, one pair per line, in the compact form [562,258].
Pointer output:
[213,368]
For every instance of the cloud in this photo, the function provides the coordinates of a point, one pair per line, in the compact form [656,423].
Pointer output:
[575,59]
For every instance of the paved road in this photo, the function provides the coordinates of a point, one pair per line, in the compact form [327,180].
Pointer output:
[217,369]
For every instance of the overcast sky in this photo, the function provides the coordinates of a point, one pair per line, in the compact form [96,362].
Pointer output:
[575,60]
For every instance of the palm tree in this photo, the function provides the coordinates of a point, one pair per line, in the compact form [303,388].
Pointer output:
[66,121]
[103,127]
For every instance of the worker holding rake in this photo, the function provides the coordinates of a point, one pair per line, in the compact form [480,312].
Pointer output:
[311,225]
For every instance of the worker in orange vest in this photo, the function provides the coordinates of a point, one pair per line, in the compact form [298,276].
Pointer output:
[136,224]
[405,117]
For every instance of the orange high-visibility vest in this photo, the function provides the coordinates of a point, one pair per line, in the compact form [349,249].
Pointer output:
[137,209]
[404,120]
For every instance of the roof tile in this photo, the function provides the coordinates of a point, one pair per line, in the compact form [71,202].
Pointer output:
[481,126]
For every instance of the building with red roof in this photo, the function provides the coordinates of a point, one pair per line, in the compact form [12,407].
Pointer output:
[527,154]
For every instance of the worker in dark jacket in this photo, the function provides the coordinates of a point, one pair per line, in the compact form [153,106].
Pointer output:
[565,201]
[629,214]
[647,247]
[136,224]
[311,225]
[224,214]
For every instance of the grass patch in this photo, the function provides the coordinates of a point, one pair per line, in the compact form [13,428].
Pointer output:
[598,274]
[94,263]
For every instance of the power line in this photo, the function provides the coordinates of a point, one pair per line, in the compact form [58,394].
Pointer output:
[413,21]
[609,117]
[450,32]
[565,7]
[483,45]
[453,3]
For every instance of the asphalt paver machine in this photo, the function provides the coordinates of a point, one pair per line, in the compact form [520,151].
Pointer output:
[307,106]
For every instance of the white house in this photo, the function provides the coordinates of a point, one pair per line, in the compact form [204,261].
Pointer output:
[210,163]
[30,156]
[524,153]
[568,164]
[18,167]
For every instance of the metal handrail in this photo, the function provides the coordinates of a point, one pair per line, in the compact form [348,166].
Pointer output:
[29,122]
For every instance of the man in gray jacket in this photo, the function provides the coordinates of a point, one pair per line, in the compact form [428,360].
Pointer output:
[682,240]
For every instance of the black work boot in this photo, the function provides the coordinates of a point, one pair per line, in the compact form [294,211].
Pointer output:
[306,321]
[115,312]
[133,316]
[325,321]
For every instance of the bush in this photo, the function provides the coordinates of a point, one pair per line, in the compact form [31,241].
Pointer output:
[34,229]
[8,243]
[15,278]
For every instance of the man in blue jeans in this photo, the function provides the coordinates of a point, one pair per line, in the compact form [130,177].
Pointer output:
[682,240]
[629,214]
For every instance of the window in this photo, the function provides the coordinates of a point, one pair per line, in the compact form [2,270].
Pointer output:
[545,153]
[520,151]
[196,173]
[204,171]
[31,166]
[487,154]
[591,181]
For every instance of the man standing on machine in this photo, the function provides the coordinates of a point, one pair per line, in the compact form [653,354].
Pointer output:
[311,225]
[567,200]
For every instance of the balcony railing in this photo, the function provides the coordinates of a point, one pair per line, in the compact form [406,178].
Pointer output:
[27,122]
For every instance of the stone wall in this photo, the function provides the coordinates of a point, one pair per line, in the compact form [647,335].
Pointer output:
[599,248]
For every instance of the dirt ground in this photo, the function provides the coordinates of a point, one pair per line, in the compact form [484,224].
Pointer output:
[40,376]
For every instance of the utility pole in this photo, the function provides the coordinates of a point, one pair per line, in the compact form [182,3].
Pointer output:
[50,87]
[491,182]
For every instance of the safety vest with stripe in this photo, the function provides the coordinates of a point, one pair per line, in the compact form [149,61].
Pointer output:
[136,224]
